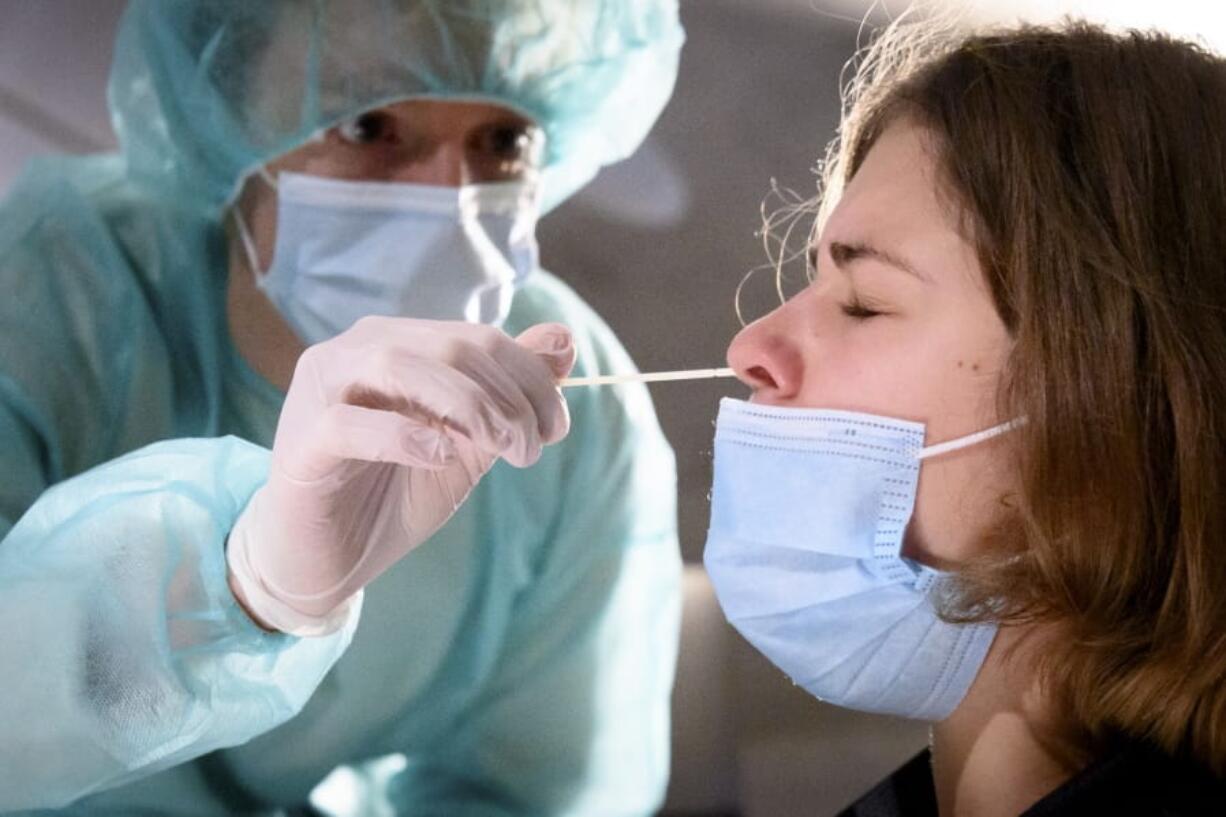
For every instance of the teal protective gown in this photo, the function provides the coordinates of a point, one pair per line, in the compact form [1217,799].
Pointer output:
[519,662]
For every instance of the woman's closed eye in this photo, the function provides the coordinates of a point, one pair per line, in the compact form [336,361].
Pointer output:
[860,309]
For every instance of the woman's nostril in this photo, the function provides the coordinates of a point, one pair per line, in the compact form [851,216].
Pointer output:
[761,377]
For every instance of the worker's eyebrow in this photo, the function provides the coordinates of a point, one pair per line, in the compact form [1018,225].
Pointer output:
[845,252]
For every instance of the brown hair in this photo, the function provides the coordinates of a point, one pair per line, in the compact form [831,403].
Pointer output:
[1090,171]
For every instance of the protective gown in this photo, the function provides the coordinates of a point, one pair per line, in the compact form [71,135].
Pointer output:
[519,662]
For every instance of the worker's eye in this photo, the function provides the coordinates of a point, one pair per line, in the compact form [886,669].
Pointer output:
[366,128]
[512,142]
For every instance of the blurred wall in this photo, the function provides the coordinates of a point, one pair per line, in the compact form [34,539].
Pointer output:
[54,56]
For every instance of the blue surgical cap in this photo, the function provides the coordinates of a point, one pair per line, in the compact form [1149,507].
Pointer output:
[203,92]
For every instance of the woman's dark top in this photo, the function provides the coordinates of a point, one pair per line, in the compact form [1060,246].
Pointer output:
[1133,782]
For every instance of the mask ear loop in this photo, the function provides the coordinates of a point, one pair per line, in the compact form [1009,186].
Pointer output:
[263,173]
[244,237]
[969,440]
[244,234]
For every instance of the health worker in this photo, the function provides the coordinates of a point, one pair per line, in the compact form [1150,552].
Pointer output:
[253,369]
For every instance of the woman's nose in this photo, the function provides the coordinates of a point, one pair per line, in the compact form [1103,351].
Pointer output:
[766,359]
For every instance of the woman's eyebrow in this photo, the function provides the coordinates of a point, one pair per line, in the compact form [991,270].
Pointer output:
[843,253]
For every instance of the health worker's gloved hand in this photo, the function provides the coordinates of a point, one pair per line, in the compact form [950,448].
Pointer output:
[385,430]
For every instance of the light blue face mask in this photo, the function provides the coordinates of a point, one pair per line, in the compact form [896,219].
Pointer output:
[347,249]
[807,519]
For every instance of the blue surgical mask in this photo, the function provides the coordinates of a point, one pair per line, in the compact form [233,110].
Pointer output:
[347,249]
[804,551]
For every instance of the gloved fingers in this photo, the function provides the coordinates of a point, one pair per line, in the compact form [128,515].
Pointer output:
[534,377]
[473,399]
[525,367]
[348,432]
[553,344]
[519,385]
[509,405]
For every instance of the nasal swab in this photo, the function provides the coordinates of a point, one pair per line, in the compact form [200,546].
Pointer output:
[648,377]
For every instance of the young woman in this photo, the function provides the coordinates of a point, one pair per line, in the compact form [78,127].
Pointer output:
[1021,253]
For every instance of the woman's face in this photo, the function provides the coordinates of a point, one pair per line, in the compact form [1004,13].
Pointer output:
[898,322]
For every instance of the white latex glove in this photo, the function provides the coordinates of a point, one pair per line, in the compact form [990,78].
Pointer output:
[385,430]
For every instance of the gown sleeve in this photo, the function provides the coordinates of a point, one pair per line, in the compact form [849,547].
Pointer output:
[122,650]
